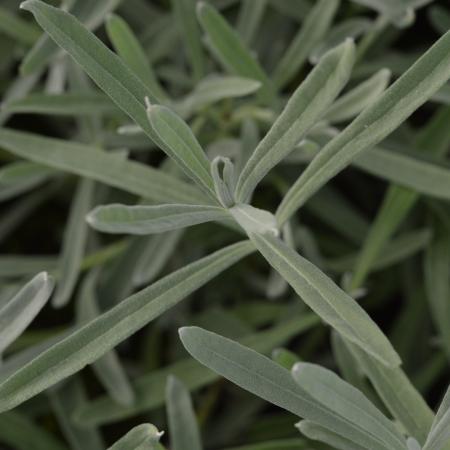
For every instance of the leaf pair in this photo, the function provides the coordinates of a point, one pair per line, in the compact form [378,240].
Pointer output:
[125,89]
[91,341]
[394,106]
[312,393]
[149,387]
[305,107]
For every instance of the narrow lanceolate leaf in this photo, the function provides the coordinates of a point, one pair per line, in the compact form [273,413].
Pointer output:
[394,106]
[88,161]
[434,140]
[183,428]
[267,379]
[232,52]
[152,219]
[142,437]
[330,302]
[150,387]
[181,145]
[91,14]
[328,389]
[353,102]
[130,50]
[186,20]
[317,433]
[303,110]
[410,169]
[93,340]
[74,243]
[18,312]
[108,71]
[312,30]
[67,104]
[398,394]
[440,430]
[213,89]
[426,175]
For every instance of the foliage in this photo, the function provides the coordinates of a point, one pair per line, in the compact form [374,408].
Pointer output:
[199,191]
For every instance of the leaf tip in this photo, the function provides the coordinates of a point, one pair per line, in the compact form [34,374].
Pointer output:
[297,368]
[349,41]
[349,48]
[385,74]
[183,332]
[173,384]
[46,279]
[186,334]
[301,425]
[44,276]
[110,18]
[90,217]
[171,379]
[201,6]
[25,5]
[148,103]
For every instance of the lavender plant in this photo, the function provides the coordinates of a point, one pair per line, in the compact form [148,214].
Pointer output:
[253,191]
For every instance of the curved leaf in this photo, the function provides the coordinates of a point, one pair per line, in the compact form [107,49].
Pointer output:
[303,110]
[330,302]
[18,312]
[394,106]
[89,162]
[152,219]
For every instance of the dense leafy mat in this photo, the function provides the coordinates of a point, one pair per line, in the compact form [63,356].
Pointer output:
[227,220]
